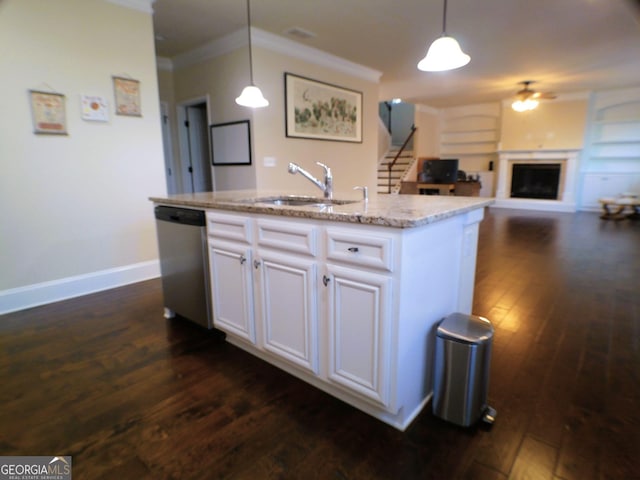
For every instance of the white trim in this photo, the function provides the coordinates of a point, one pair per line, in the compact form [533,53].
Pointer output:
[145,6]
[303,52]
[215,48]
[20,298]
[275,43]
[568,159]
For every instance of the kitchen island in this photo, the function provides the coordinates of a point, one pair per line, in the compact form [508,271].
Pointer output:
[345,295]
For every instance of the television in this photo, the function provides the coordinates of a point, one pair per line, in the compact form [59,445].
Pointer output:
[443,170]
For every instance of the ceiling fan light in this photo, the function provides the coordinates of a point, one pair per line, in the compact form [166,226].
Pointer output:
[524,105]
[443,54]
[251,96]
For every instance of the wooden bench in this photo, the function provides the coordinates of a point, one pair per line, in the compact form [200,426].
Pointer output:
[614,207]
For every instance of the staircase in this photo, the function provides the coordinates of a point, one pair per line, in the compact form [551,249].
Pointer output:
[405,160]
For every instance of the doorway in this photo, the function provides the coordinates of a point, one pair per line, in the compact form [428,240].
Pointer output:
[195,159]
[167,148]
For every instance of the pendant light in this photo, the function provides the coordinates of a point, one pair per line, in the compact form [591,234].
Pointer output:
[444,53]
[251,95]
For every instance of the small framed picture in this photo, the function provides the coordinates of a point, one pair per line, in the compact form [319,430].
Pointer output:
[49,113]
[127,95]
[231,143]
[94,108]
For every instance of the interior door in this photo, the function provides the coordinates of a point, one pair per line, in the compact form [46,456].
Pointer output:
[198,147]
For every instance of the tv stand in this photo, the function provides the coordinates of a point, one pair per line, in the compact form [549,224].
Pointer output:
[441,188]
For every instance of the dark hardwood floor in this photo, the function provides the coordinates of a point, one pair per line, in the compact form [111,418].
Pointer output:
[106,379]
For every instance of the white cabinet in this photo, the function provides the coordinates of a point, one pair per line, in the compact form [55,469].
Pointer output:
[289,308]
[348,308]
[230,261]
[232,289]
[288,313]
[359,323]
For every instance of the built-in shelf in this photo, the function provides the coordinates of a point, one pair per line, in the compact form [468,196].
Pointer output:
[471,136]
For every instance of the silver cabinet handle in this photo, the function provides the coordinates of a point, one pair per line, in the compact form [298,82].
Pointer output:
[256,263]
[243,259]
[353,249]
[325,280]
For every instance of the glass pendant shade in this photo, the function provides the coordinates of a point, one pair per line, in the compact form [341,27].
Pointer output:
[443,54]
[251,96]
[524,105]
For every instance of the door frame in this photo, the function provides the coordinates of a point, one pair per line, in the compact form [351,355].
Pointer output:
[183,138]
[167,142]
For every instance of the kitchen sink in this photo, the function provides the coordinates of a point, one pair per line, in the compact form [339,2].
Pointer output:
[301,201]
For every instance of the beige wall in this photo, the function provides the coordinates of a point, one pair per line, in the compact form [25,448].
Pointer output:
[351,163]
[554,125]
[223,77]
[427,141]
[77,204]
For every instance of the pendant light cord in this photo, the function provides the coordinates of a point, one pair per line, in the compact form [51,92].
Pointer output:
[444,20]
[249,30]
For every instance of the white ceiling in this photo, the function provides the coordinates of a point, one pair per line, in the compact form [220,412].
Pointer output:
[566,45]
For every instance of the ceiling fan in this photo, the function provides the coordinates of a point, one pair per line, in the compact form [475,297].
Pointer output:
[527,98]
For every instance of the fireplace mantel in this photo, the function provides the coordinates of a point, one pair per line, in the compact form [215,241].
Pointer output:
[568,159]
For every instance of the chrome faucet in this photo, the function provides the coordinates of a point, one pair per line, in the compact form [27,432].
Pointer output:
[326,187]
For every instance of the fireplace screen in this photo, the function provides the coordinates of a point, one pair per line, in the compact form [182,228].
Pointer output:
[535,180]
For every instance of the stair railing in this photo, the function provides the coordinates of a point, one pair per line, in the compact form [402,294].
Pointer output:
[391,164]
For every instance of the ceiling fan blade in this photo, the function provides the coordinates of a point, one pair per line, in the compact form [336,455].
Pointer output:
[545,95]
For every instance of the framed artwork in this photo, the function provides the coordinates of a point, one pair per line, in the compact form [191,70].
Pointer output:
[322,111]
[49,113]
[127,94]
[231,143]
[94,108]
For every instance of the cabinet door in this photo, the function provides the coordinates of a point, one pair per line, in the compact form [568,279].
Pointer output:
[289,309]
[232,290]
[359,332]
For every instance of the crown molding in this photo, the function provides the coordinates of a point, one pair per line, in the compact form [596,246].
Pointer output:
[215,48]
[269,41]
[288,47]
[145,6]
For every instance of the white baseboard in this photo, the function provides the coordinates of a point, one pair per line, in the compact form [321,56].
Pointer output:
[530,204]
[20,298]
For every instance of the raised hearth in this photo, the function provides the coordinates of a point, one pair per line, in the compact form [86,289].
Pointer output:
[537,180]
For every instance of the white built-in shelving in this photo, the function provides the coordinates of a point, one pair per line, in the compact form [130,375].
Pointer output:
[615,131]
[611,164]
[471,134]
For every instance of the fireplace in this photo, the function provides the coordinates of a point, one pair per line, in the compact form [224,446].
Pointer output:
[535,180]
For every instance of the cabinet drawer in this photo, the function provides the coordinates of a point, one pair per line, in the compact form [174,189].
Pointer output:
[229,227]
[366,250]
[288,236]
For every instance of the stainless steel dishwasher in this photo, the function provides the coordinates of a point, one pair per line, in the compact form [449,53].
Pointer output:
[184,264]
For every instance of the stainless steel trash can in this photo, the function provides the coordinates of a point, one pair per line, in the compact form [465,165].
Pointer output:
[461,377]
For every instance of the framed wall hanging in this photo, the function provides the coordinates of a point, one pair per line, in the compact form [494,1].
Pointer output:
[94,108]
[127,95]
[322,111]
[231,143]
[49,113]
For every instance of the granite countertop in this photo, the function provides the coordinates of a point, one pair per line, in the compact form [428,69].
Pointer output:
[399,211]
